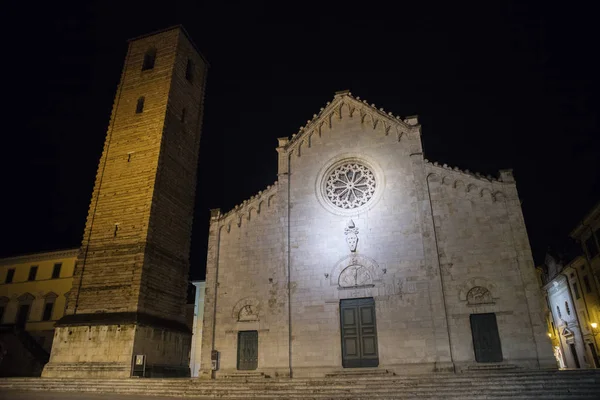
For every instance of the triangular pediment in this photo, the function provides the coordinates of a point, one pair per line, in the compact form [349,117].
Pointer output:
[345,105]
[567,332]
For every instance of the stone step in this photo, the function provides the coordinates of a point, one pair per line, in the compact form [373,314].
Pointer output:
[391,395]
[347,389]
[392,380]
[362,372]
[367,384]
[395,396]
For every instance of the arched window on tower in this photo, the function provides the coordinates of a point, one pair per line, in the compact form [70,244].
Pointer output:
[139,108]
[149,59]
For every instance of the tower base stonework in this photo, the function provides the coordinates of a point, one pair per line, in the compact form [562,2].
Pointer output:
[107,350]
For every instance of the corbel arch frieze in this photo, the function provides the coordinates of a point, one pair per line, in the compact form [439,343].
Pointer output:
[486,194]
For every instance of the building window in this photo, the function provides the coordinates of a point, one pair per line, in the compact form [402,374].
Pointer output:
[576,290]
[189,70]
[586,283]
[183,115]
[591,246]
[10,274]
[558,312]
[139,108]
[25,301]
[149,59]
[49,301]
[48,307]
[32,273]
[3,303]
[567,308]
[56,271]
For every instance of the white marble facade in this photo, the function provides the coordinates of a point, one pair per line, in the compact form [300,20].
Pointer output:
[358,212]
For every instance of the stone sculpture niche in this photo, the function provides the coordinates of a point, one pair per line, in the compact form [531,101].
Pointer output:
[479,295]
[351,233]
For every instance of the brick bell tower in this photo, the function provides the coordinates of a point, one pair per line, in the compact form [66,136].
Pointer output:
[130,283]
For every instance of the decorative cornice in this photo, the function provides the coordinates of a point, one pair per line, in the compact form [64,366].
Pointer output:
[455,177]
[25,258]
[244,211]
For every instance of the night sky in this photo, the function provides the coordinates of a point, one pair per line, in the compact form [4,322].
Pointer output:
[498,85]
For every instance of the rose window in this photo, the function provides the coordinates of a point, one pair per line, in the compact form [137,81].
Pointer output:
[350,185]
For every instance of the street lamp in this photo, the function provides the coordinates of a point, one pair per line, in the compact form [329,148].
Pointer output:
[594,326]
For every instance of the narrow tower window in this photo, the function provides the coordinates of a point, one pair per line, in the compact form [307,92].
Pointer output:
[189,70]
[183,115]
[140,105]
[149,59]
[567,308]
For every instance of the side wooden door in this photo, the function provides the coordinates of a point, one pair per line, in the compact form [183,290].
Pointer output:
[486,339]
[247,357]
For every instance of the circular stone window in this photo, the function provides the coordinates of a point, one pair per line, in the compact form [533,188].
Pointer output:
[348,186]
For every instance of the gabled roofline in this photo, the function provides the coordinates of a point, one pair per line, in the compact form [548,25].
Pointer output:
[406,124]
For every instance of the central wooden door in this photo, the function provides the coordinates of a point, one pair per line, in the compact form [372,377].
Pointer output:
[247,350]
[359,333]
[486,340]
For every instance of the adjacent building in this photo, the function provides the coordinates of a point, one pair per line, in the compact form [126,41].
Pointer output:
[366,254]
[573,298]
[198,315]
[33,292]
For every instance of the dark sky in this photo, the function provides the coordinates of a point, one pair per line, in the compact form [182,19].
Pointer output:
[496,85]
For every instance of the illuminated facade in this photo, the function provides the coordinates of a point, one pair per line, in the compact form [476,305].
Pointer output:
[33,293]
[572,299]
[572,295]
[365,254]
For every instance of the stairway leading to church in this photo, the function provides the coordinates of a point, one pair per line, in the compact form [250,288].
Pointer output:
[515,385]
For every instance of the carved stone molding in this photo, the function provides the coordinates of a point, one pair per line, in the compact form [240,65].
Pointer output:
[354,271]
[351,232]
[246,310]
[476,291]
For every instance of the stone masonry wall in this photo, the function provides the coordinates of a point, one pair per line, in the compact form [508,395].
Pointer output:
[479,247]
[249,268]
[429,235]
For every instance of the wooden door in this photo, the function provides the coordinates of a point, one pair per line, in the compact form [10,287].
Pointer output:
[486,340]
[359,333]
[247,350]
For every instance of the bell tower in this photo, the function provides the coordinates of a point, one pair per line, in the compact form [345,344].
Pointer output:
[130,282]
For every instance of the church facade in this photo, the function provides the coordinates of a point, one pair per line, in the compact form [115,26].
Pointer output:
[366,254]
